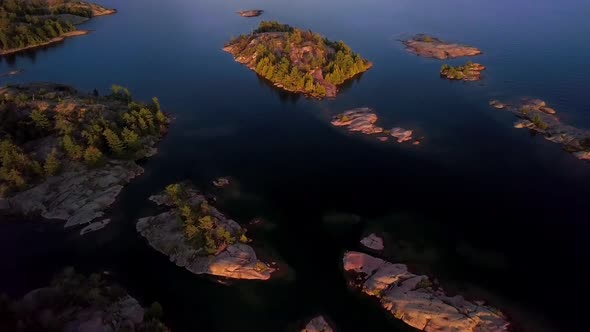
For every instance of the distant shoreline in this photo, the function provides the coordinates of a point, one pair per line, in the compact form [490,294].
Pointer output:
[74,33]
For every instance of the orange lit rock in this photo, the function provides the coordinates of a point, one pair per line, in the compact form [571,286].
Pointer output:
[416,301]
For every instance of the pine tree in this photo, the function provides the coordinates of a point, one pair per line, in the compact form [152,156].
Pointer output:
[161,118]
[52,164]
[73,150]
[40,119]
[114,142]
[130,138]
[155,104]
[92,156]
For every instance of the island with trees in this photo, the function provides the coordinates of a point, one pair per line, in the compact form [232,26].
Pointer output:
[535,115]
[75,302]
[296,60]
[196,236]
[468,72]
[66,155]
[26,24]
[431,47]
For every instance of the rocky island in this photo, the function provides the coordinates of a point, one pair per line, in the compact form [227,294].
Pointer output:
[430,47]
[35,23]
[296,60]
[196,236]
[468,72]
[535,115]
[250,13]
[74,302]
[66,155]
[363,120]
[417,301]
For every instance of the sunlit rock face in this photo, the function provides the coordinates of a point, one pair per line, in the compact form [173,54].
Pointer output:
[166,234]
[536,115]
[431,47]
[416,301]
[358,119]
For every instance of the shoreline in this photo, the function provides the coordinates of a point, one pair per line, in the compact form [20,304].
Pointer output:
[55,40]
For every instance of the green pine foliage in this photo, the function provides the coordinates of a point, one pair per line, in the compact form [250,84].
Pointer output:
[52,164]
[201,228]
[274,53]
[88,130]
[114,142]
[72,149]
[16,168]
[92,156]
[40,119]
[30,23]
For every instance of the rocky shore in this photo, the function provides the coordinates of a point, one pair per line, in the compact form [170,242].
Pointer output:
[63,36]
[51,174]
[417,301]
[364,120]
[537,116]
[231,256]
[431,47]
[74,302]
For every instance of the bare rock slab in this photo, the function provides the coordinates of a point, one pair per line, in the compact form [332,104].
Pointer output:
[413,299]
[372,241]
[536,115]
[318,324]
[432,47]
[250,13]
[77,196]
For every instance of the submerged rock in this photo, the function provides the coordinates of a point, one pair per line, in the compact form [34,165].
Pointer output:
[318,324]
[413,298]
[372,241]
[221,182]
[95,226]
[497,104]
[250,13]
[431,47]
[165,232]
[12,73]
[535,115]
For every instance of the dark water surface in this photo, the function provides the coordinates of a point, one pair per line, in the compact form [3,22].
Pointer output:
[481,204]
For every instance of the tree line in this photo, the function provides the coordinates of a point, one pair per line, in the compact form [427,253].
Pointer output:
[89,135]
[31,23]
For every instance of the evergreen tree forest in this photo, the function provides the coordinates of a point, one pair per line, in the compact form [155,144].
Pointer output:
[33,22]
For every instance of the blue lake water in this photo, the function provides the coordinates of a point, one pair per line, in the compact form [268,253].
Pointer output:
[474,182]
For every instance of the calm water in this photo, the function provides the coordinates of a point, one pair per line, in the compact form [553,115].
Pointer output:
[489,209]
